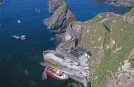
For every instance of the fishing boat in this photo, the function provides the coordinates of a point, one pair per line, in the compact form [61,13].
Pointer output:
[56,74]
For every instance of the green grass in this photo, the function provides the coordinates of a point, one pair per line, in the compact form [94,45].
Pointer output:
[123,35]
[111,61]
[97,18]
[90,39]
[101,70]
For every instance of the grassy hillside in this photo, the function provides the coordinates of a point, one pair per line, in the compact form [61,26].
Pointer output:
[109,49]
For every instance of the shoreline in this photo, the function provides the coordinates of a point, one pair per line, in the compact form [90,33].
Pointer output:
[70,39]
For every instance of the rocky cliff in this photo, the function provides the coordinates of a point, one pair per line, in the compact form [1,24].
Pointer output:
[126,3]
[61,16]
[109,37]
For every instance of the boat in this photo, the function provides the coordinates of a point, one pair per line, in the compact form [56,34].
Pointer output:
[16,37]
[56,74]
[19,37]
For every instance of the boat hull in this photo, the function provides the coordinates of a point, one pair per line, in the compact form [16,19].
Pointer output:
[53,75]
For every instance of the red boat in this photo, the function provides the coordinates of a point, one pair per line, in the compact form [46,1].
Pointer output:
[56,74]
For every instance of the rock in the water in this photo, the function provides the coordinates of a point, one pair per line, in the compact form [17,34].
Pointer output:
[1,1]
[61,16]
[126,3]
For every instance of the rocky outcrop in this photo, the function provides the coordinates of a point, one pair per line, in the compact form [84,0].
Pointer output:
[1,1]
[124,77]
[61,16]
[54,4]
[130,19]
[126,3]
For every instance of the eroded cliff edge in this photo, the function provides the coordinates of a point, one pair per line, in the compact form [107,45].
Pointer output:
[61,16]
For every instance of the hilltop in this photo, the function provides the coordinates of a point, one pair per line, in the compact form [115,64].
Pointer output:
[109,37]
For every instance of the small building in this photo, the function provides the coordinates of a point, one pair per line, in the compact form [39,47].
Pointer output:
[79,51]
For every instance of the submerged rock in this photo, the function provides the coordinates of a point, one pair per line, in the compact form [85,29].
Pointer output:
[1,1]
[61,16]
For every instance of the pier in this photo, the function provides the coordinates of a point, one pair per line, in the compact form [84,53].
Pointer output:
[72,70]
[76,66]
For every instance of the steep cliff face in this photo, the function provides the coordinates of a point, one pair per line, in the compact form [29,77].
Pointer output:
[1,1]
[127,3]
[61,16]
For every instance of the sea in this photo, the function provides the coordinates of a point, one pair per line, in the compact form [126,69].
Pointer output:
[20,59]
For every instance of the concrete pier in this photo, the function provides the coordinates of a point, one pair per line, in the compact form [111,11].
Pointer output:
[72,70]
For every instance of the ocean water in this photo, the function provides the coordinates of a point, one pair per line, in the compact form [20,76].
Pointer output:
[20,59]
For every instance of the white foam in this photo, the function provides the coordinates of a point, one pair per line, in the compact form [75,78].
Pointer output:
[19,21]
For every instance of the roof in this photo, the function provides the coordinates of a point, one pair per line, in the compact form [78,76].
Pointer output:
[78,51]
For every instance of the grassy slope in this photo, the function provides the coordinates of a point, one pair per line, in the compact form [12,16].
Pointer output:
[106,60]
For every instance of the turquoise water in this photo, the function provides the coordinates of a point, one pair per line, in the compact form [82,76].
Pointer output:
[19,59]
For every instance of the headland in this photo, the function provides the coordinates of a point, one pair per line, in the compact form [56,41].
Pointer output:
[100,45]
